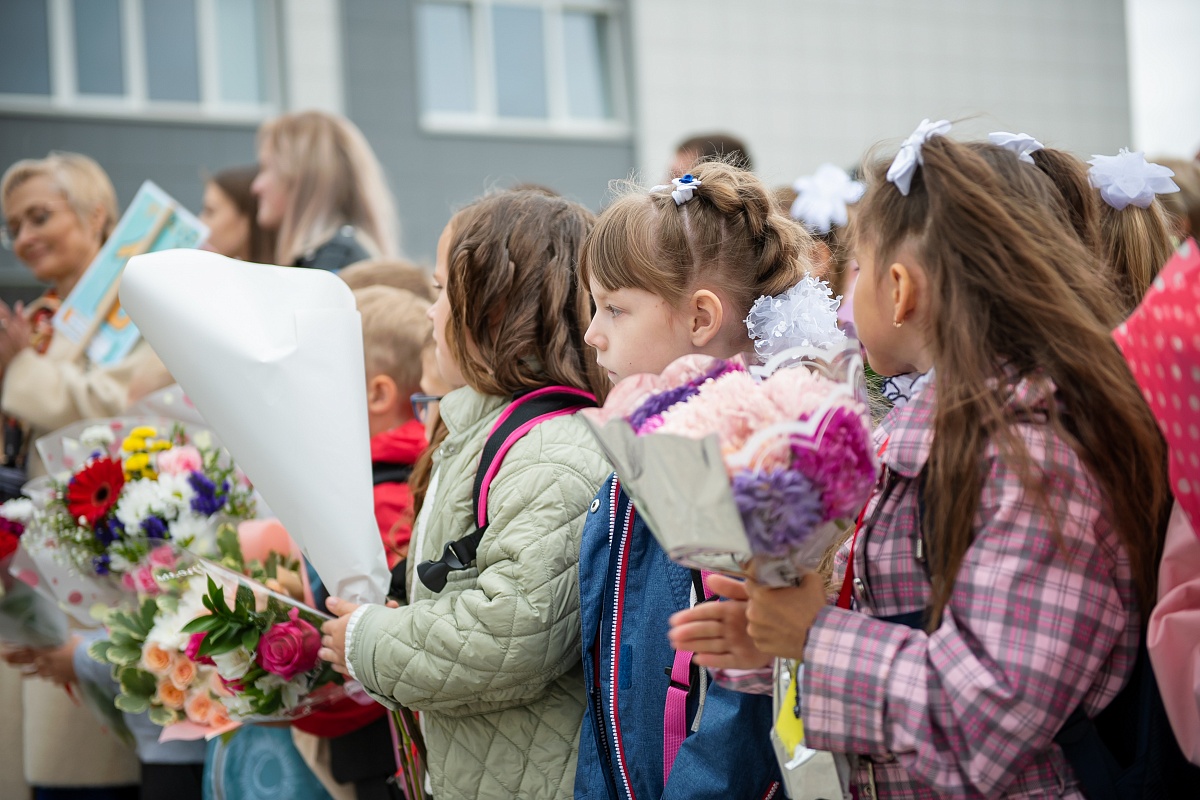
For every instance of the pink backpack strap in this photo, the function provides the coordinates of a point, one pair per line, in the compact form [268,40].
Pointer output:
[675,727]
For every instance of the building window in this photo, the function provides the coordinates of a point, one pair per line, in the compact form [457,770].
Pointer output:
[521,66]
[180,58]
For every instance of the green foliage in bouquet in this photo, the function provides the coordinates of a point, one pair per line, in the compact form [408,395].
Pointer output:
[124,651]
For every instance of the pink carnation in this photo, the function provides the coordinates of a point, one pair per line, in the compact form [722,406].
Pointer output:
[163,556]
[141,580]
[799,391]
[180,460]
[733,407]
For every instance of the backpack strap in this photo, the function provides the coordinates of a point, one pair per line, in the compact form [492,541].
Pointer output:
[675,727]
[526,412]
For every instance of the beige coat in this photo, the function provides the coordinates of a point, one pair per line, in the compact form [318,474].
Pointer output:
[62,743]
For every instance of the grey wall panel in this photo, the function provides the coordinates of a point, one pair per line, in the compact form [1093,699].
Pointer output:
[173,155]
[432,173]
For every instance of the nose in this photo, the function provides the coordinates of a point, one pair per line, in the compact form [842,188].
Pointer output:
[592,337]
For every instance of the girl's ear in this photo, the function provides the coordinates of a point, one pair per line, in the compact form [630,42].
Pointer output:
[705,315]
[905,291]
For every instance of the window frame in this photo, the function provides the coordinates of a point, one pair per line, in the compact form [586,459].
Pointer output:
[65,99]
[558,123]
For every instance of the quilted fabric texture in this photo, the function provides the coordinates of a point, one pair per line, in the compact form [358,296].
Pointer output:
[492,661]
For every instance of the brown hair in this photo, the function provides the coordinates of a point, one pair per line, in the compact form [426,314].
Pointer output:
[396,273]
[730,237]
[717,146]
[234,183]
[1183,207]
[838,262]
[1005,266]
[518,311]
[1070,175]
[82,181]
[395,329]
[333,180]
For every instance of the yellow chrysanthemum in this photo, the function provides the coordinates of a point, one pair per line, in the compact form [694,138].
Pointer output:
[133,444]
[137,462]
[158,445]
[144,432]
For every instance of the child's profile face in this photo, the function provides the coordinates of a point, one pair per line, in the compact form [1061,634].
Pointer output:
[440,312]
[635,331]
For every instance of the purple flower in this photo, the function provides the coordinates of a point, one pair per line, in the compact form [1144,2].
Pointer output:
[841,465]
[656,404]
[154,528]
[780,508]
[109,530]
[207,500]
[100,564]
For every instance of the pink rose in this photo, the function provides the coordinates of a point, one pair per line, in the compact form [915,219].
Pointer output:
[143,580]
[163,557]
[192,650]
[180,460]
[289,648]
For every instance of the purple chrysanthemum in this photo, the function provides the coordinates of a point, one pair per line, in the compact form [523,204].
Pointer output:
[841,467]
[154,528]
[656,404]
[207,500]
[109,530]
[779,508]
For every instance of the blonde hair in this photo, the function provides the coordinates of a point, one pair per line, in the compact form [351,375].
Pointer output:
[1136,243]
[82,181]
[334,179]
[395,329]
[731,237]
[397,273]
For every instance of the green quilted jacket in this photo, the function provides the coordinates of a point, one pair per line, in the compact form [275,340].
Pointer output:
[492,661]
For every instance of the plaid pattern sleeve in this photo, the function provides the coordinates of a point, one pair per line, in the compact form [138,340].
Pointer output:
[747,681]
[1041,618]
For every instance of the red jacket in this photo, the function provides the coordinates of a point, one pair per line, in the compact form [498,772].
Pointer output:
[394,513]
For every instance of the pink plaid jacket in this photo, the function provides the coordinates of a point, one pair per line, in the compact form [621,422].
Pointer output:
[1033,629]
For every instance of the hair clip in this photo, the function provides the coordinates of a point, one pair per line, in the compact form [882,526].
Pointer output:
[1128,178]
[685,187]
[821,198]
[904,166]
[1020,143]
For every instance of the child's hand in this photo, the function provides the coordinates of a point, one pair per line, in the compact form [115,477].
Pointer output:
[333,634]
[716,632]
[778,620]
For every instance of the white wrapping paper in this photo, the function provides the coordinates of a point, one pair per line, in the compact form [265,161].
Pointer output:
[272,358]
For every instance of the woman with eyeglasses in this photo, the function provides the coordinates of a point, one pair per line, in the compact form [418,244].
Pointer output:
[57,212]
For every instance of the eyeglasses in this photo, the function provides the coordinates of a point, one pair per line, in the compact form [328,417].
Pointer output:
[421,403]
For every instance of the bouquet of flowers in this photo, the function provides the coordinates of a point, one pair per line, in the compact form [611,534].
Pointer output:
[116,487]
[743,467]
[27,618]
[213,644]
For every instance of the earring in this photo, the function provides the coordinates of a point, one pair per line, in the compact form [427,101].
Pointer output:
[896,323]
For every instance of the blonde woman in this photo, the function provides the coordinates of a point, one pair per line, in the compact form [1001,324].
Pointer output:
[321,189]
[58,211]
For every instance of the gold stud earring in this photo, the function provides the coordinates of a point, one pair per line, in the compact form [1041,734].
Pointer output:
[897,323]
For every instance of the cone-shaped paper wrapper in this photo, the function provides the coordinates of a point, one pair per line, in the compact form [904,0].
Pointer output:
[272,357]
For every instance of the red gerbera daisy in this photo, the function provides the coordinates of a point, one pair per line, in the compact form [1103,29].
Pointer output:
[95,489]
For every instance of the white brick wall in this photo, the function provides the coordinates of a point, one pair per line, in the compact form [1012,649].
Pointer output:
[808,81]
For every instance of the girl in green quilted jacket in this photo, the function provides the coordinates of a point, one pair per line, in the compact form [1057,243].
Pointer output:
[492,659]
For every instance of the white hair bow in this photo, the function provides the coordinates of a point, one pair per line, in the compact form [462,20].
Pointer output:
[821,198]
[905,164]
[1020,143]
[1129,179]
[685,187]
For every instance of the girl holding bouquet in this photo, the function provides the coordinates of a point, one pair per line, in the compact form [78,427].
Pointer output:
[673,271]
[996,583]
[490,658]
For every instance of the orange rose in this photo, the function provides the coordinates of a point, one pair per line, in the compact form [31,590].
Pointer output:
[219,716]
[183,673]
[170,696]
[157,660]
[199,707]
[217,686]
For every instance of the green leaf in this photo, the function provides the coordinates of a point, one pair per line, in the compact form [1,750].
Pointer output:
[229,548]
[250,639]
[124,655]
[138,682]
[163,716]
[98,650]
[217,595]
[245,598]
[131,705]
[273,703]
[201,624]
